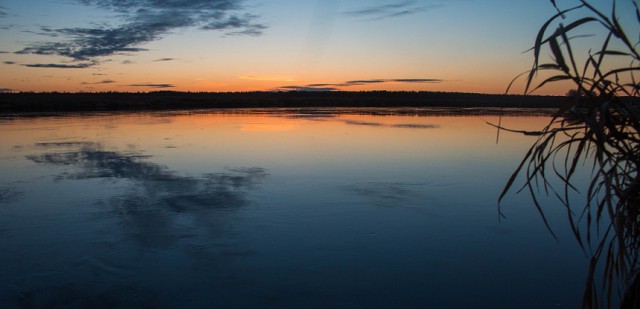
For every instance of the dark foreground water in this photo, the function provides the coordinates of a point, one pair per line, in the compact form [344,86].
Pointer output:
[285,209]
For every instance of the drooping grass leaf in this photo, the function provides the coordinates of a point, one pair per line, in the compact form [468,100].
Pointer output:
[598,128]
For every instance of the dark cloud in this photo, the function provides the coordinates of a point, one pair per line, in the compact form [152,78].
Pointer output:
[3,52]
[153,85]
[164,59]
[393,80]
[127,62]
[61,66]
[320,85]
[3,12]
[106,81]
[391,10]
[333,87]
[364,82]
[145,21]
[215,7]
[9,62]
[243,24]
[306,88]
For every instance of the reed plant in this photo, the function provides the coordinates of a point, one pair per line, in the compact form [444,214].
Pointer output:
[597,128]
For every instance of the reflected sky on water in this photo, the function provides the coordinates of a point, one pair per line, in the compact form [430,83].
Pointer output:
[280,209]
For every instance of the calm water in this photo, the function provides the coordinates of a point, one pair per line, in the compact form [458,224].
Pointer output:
[274,210]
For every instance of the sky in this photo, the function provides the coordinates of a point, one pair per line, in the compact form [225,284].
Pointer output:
[259,45]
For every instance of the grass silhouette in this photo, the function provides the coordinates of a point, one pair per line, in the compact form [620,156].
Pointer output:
[598,127]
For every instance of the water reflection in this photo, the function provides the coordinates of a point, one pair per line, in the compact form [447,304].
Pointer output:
[65,144]
[136,210]
[149,207]
[8,194]
[72,296]
[399,125]
[142,218]
[388,193]
[414,126]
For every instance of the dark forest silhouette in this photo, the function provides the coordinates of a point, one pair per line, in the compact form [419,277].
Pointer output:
[167,100]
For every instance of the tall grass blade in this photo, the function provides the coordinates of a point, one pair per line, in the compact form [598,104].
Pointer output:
[597,129]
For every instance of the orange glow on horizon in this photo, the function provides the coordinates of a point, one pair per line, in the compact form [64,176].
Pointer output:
[94,80]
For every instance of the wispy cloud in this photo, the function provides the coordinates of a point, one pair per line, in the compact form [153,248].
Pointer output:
[158,86]
[3,12]
[243,24]
[144,21]
[3,52]
[306,88]
[392,80]
[164,59]
[350,83]
[106,81]
[391,10]
[9,62]
[60,65]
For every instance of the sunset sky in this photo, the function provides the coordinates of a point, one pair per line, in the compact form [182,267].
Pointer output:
[235,45]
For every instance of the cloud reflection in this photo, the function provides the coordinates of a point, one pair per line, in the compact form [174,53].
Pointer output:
[8,194]
[399,126]
[415,126]
[364,123]
[149,210]
[386,193]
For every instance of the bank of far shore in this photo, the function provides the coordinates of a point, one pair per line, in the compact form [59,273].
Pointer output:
[171,100]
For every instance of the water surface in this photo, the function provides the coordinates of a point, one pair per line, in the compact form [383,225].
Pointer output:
[279,209]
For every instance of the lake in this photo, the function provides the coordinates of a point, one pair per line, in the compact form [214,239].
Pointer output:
[327,208]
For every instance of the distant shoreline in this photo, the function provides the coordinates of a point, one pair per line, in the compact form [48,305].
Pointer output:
[169,100]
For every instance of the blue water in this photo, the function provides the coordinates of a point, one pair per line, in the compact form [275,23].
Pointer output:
[279,209]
